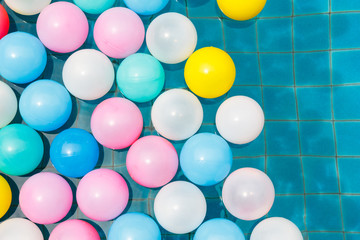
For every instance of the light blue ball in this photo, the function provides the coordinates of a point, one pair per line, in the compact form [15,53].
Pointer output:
[134,226]
[45,105]
[146,7]
[94,6]
[74,152]
[219,229]
[206,159]
[140,77]
[22,57]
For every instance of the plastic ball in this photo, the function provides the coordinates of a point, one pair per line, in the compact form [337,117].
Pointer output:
[119,32]
[146,7]
[22,57]
[74,229]
[8,104]
[209,72]
[27,7]
[94,7]
[152,161]
[88,74]
[206,159]
[240,119]
[171,38]
[134,226]
[74,152]
[20,228]
[116,123]
[102,194]
[4,22]
[276,228]
[248,194]
[45,105]
[177,114]
[21,149]
[219,229]
[45,198]
[5,197]
[62,27]
[140,77]
[180,207]
[241,10]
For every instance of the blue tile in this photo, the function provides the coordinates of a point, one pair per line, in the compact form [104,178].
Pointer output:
[203,8]
[210,107]
[312,68]
[323,213]
[326,236]
[347,134]
[275,35]
[308,7]
[254,148]
[349,178]
[286,174]
[320,175]
[352,236]
[277,69]
[249,91]
[174,75]
[351,209]
[282,138]
[311,33]
[317,138]
[344,29]
[345,67]
[277,8]
[247,68]
[344,5]
[209,36]
[291,208]
[279,103]
[256,162]
[346,102]
[240,36]
[310,100]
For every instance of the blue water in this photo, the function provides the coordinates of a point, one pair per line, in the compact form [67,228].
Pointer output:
[299,60]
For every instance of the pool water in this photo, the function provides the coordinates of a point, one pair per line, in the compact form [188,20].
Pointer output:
[299,60]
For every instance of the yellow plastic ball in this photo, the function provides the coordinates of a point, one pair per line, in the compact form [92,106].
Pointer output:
[241,10]
[5,196]
[210,72]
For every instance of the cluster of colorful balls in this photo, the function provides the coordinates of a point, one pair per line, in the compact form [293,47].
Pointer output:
[116,123]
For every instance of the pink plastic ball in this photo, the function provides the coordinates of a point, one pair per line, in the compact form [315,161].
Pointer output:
[102,194]
[116,123]
[152,161]
[248,193]
[119,32]
[62,27]
[74,229]
[45,198]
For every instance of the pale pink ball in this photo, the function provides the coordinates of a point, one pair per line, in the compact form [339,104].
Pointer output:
[152,161]
[119,32]
[62,27]
[116,123]
[248,193]
[102,194]
[74,229]
[45,198]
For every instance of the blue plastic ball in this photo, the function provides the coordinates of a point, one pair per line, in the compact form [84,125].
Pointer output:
[45,105]
[22,57]
[219,229]
[21,149]
[206,159]
[146,7]
[140,77]
[94,6]
[74,152]
[134,226]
